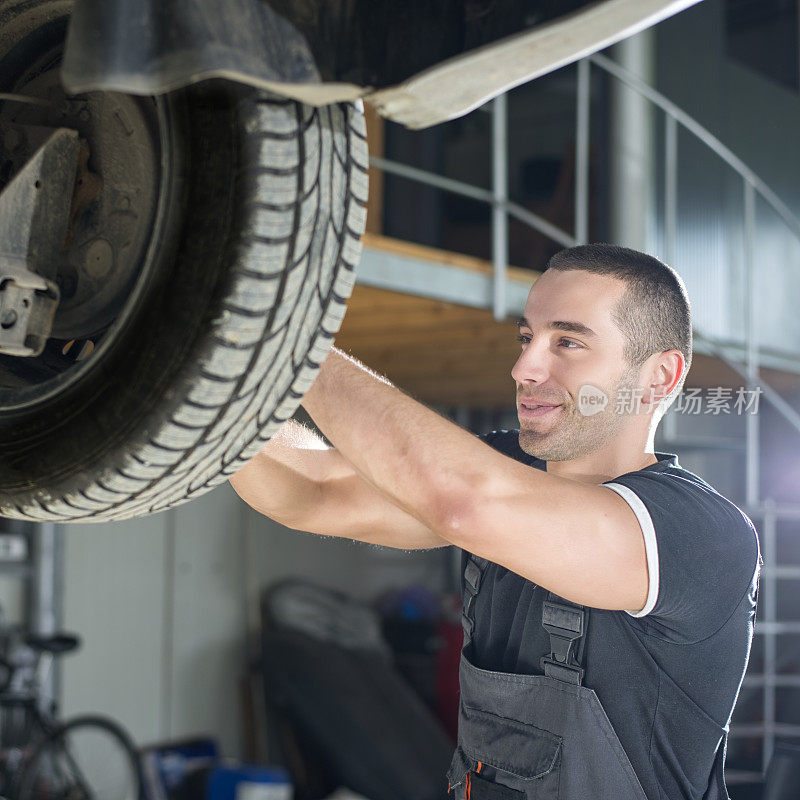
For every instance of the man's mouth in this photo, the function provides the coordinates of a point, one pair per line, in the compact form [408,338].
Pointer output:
[528,409]
[532,406]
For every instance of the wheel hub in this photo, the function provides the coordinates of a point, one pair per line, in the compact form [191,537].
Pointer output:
[117,205]
[114,199]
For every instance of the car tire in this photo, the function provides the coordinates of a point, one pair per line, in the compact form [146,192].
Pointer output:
[223,335]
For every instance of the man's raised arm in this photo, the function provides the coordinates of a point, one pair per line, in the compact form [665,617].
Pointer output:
[300,482]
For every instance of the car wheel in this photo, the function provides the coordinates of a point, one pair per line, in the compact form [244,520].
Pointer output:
[210,251]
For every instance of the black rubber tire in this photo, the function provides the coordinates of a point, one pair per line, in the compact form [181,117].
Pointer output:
[231,329]
[30,784]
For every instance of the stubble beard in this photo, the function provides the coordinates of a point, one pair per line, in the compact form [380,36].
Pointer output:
[575,434]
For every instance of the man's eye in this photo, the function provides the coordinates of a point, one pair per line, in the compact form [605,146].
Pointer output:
[526,340]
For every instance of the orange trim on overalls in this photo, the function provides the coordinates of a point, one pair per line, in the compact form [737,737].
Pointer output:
[468,788]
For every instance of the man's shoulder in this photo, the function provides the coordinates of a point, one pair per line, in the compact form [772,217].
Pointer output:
[679,501]
[669,482]
[703,552]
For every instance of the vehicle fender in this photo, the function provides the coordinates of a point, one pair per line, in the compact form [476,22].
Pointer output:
[148,47]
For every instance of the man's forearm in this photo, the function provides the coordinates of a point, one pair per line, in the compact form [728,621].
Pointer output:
[301,449]
[301,483]
[283,481]
[408,452]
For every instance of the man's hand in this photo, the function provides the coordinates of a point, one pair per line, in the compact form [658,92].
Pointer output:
[579,540]
[300,482]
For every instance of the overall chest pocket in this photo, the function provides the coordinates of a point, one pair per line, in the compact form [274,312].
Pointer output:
[506,752]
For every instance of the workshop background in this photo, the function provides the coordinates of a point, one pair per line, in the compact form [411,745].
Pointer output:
[169,608]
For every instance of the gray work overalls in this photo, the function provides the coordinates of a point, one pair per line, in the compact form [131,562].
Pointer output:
[542,737]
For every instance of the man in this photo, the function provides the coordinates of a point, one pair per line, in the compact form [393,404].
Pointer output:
[609,594]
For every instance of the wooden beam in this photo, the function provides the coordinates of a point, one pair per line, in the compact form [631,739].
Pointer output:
[376,137]
[438,352]
[433,254]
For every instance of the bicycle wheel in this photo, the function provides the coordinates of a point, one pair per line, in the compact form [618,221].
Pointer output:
[88,758]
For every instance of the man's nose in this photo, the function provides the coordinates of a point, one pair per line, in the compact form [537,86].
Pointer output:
[532,365]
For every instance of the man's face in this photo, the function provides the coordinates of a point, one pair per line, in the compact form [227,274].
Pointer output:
[578,369]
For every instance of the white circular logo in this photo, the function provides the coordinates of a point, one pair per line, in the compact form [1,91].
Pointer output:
[591,400]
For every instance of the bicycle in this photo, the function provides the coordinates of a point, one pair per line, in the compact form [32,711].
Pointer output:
[89,757]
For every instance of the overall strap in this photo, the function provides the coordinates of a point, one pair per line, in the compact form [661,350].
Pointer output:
[473,574]
[566,622]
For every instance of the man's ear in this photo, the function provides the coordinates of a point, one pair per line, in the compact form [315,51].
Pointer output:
[664,375]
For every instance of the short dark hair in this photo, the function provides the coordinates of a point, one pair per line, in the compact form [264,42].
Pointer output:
[654,313]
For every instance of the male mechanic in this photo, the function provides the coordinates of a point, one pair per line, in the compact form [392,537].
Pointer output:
[609,594]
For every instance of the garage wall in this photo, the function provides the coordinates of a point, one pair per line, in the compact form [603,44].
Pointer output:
[164,605]
[13,599]
[115,589]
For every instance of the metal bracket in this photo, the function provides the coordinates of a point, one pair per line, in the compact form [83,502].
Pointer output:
[28,304]
[34,213]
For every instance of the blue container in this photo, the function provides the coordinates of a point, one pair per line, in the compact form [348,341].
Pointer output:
[249,783]
[166,766]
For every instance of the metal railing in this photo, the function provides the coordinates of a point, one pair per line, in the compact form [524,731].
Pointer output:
[753,187]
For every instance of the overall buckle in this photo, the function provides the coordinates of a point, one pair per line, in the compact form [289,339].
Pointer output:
[566,625]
